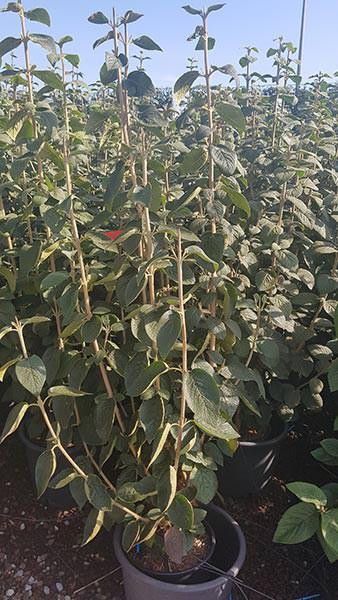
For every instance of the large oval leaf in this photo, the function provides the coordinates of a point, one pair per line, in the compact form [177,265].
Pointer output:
[184,83]
[44,470]
[14,419]
[138,382]
[146,43]
[169,328]
[31,373]
[297,525]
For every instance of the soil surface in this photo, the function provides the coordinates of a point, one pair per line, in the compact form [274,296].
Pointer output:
[153,561]
[41,556]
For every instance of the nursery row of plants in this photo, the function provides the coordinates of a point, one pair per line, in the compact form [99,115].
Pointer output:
[168,291]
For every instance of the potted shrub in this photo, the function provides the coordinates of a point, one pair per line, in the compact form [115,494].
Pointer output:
[111,341]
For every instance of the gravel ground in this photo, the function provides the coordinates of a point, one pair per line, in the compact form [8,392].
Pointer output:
[41,556]
[40,552]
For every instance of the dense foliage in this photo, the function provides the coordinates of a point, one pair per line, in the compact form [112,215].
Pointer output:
[168,267]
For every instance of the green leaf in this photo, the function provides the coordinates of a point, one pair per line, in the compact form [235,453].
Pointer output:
[138,382]
[51,79]
[114,184]
[29,258]
[232,115]
[92,526]
[206,484]
[329,527]
[130,535]
[197,251]
[159,443]
[98,18]
[215,424]
[213,245]
[184,83]
[11,7]
[8,44]
[288,260]
[203,398]
[10,278]
[297,525]
[63,390]
[77,490]
[146,43]
[35,320]
[225,159]
[65,40]
[243,373]
[333,376]
[14,419]
[151,413]
[214,7]
[52,155]
[108,76]
[7,365]
[139,84]
[194,161]
[331,492]
[307,492]
[19,165]
[97,118]
[53,280]
[44,470]
[63,478]
[201,391]
[134,288]
[239,200]
[202,43]
[74,326]
[132,492]
[150,116]
[169,328]
[330,446]
[97,493]
[73,59]
[46,41]
[91,329]
[330,554]
[181,513]
[191,10]
[166,488]
[131,16]
[40,15]
[31,373]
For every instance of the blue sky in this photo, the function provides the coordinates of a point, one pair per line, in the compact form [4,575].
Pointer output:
[240,23]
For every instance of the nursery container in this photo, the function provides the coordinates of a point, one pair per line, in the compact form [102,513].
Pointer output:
[61,498]
[250,469]
[229,555]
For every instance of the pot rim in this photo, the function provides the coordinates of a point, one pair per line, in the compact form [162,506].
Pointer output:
[268,442]
[209,585]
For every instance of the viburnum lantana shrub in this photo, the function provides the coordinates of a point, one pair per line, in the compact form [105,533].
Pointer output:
[168,271]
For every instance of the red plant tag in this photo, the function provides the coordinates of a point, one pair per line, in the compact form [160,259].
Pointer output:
[113,234]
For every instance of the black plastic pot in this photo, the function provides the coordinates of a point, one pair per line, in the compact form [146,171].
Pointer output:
[229,555]
[61,498]
[250,469]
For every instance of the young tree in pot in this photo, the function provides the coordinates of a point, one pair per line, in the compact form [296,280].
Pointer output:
[157,403]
